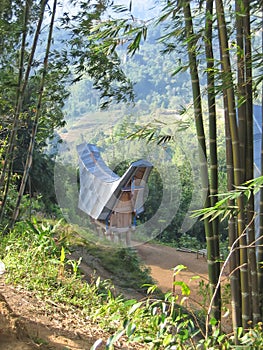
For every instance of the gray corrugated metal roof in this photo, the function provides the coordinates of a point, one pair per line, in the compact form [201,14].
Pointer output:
[89,155]
[100,187]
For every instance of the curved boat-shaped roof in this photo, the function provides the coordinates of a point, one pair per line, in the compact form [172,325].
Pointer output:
[101,188]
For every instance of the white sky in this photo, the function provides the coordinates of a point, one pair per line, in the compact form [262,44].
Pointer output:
[138,6]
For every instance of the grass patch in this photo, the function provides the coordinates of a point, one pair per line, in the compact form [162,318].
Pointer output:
[35,258]
[124,264]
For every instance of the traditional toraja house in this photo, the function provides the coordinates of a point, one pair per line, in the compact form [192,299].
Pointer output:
[113,202]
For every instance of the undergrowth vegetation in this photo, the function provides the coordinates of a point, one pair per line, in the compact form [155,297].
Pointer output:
[123,264]
[37,258]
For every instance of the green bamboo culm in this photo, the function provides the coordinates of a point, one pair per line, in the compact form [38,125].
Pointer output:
[241,228]
[232,233]
[249,166]
[37,115]
[213,271]
[6,173]
[22,85]
[211,100]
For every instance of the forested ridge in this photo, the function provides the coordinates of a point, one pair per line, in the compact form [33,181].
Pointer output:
[181,86]
[154,84]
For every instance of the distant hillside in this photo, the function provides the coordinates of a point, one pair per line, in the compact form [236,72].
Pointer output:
[151,72]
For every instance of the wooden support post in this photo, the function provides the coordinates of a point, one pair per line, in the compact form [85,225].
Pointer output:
[128,238]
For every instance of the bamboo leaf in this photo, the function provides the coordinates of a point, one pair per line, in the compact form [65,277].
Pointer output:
[179,268]
[113,339]
[179,69]
[184,287]
[135,45]
[96,344]
[226,214]
[144,32]
[62,255]
[130,329]
[135,307]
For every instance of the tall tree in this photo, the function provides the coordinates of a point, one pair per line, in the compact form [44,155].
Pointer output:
[213,270]
[7,165]
[36,119]
[19,100]
[249,165]
[22,85]
[238,171]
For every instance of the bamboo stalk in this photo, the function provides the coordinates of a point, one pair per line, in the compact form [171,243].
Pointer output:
[7,166]
[226,67]
[212,266]
[212,132]
[232,234]
[21,91]
[36,120]
[249,156]
[241,104]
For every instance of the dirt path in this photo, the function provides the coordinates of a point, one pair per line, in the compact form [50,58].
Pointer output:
[28,323]
[162,260]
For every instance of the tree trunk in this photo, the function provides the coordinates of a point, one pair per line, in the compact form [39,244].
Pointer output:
[212,131]
[36,120]
[249,156]
[212,266]
[6,174]
[232,234]
[228,81]
[21,91]
[241,103]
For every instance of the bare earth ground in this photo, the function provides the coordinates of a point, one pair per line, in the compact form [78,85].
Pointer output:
[28,323]
[162,260]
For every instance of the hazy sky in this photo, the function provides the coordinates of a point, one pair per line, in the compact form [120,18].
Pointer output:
[138,7]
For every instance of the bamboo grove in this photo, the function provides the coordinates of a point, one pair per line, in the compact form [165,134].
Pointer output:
[221,40]
[32,96]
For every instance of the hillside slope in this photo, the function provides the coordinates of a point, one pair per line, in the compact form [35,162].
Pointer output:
[46,325]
